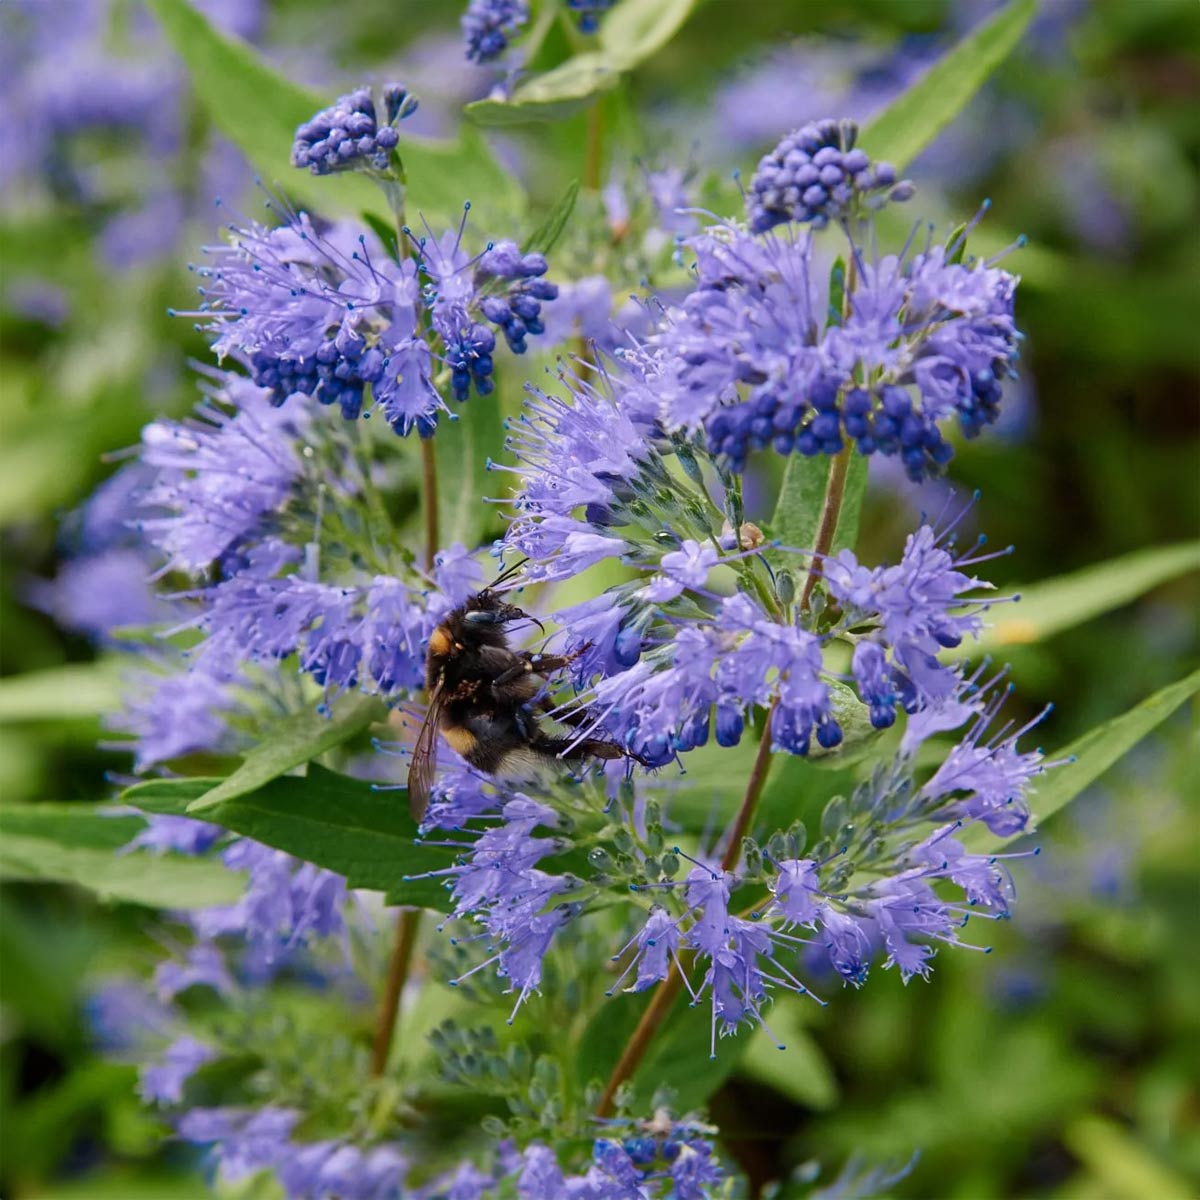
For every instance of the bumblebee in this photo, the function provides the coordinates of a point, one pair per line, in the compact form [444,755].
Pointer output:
[485,697]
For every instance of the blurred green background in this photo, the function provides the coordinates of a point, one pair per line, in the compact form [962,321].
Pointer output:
[1067,1063]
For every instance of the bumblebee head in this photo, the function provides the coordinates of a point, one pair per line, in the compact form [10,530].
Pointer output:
[487,610]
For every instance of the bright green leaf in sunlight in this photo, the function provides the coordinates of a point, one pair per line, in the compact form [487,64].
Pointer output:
[798,509]
[917,116]
[259,110]
[293,741]
[75,843]
[630,34]
[1092,754]
[462,449]
[1050,607]
[60,693]
[342,824]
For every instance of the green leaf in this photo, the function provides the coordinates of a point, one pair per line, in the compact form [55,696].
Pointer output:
[75,843]
[1099,749]
[801,1072]
[1121,1164]
[462,449]
[798,509]
[1057,604]
[295,740]
[544,237]
[551,96]
[636,29]
[259,110]
[342,824]
[60,693]
[630,34]
[915,118]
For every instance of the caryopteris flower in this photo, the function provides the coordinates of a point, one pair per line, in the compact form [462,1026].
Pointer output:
[489,25]
[816,174]
[353,132]
[327,312]
[762,353]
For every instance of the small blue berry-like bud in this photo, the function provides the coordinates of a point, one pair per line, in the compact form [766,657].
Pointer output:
[489,25]
[814,175]
[350,135]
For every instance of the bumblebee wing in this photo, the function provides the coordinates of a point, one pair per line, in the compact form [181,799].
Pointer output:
[424,757]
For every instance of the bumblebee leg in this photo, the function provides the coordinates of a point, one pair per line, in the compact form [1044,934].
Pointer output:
[570,750]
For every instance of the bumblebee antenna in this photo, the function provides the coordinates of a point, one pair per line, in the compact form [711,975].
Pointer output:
[507,573]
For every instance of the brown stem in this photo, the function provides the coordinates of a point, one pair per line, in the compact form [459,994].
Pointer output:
[642,1036]
[429,499]
[754,787]
[668,990]
[407,925]
[831,510]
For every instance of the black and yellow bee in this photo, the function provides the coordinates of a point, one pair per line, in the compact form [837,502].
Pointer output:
[485,697]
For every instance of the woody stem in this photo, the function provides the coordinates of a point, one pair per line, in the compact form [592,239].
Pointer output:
[667,991]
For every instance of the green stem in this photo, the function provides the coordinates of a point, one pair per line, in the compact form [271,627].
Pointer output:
[408,923]
[429,499]
[831,511]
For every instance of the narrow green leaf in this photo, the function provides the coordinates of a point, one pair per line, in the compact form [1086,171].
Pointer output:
[636,29]
[1099,749]
[336,822]
[916,117]
[1120,1163]
[553,95]
[800,1071]
[385,231]
[798,509]
[1050,607]
[462,449]
[60,693]
[295,740]
[630,34]
[543,238]
[259,110]
[74,843]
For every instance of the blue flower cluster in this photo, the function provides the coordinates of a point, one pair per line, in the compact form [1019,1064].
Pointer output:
[665,664]
[489,25]
[888,876]
[658,1159]
[327,312]
[351,132]
[760,354]
[816,174]
[234,497]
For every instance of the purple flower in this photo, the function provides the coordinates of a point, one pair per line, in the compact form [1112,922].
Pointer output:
[919,609]
[353,132]
[202,966]
[220,474]
[655,946]
[184,835]
[321,313]
[242,1142]
[168,716]
[123,1015]
[285,904]
[489,25]
[100,593]
[816,174]
[163,1082]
